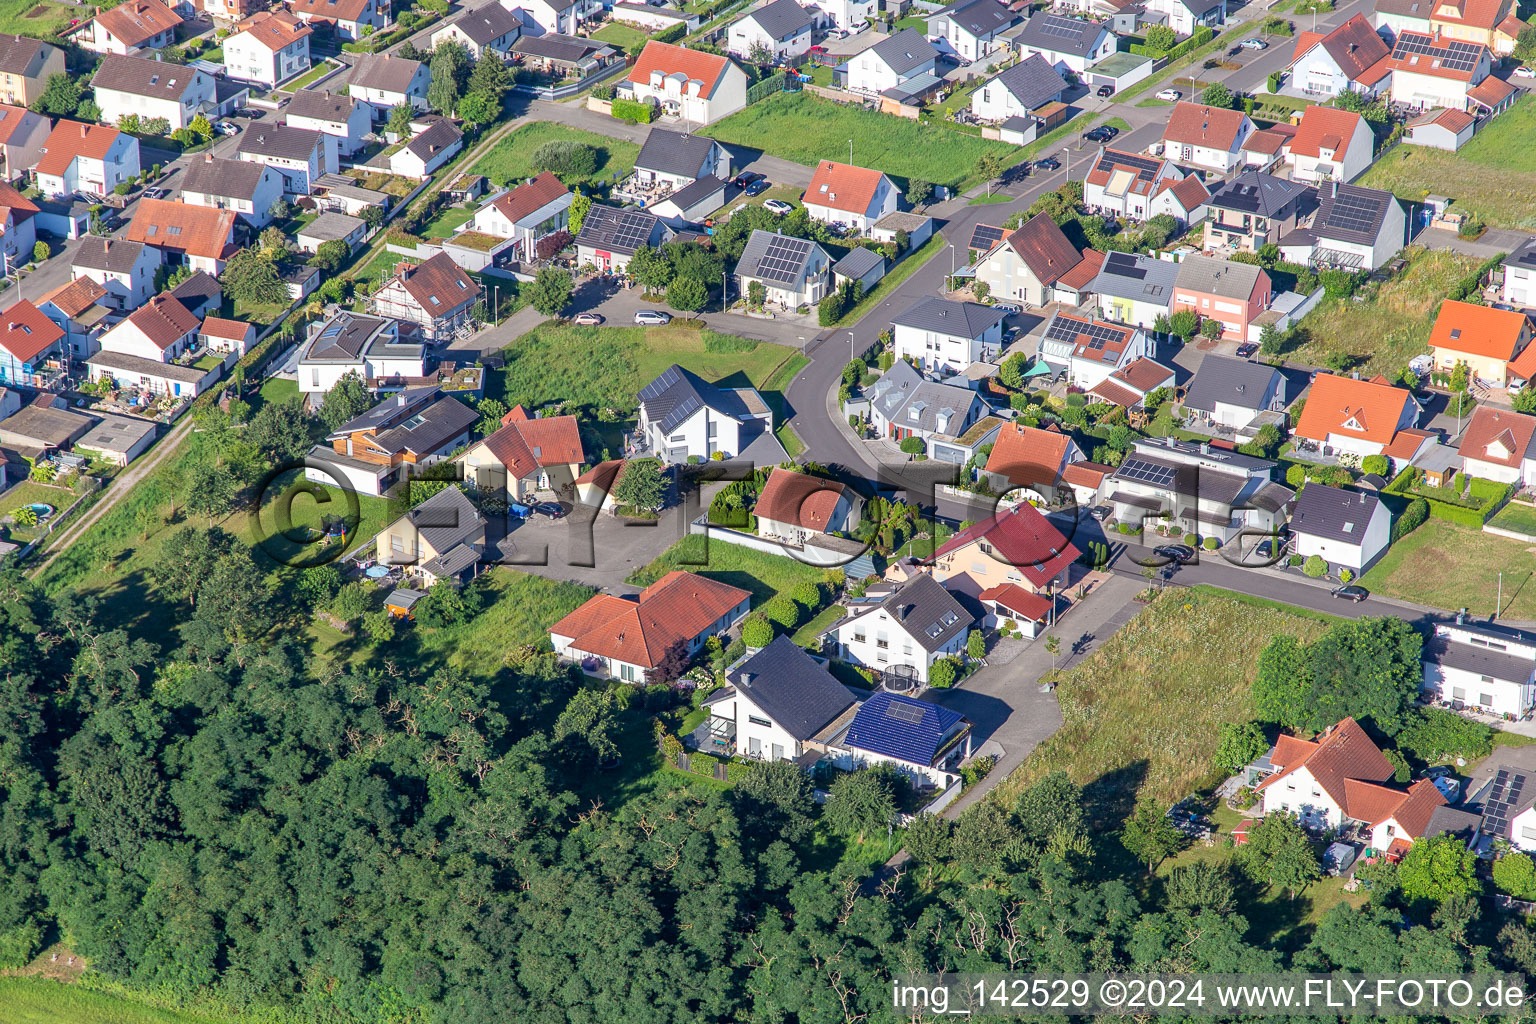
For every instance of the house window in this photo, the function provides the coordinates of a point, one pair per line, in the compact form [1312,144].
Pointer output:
[760,721]
[1459,693]
[1485,699]
[858,638]
[1526,832]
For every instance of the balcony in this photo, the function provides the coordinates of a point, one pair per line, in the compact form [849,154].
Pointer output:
[715,735]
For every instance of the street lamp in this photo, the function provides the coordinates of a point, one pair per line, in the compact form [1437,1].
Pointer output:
[951,282]
[724,298]
[851,355]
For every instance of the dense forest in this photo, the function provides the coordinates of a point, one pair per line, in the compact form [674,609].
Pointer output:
[211,817]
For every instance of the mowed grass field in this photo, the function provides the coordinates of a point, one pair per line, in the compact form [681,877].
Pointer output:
[1143,714]
[1384,332]
[1492,177]
[40,20]
[807,129]
[763,574]
[512,158]
[37,1001]
[1448,566]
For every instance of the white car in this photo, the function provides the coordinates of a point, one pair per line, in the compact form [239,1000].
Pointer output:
[1524,72]
[778,206]
[1254,44]
[652,318]
[1170,95]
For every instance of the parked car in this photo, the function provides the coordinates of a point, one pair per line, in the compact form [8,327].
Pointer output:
[1048,164]
[1103,133]
[227,128]
[156,193]
[549,509]
[587,319]
[1106,90]
[746,178]
[1008,307]
[757,187]
[652,317]
[1246,349]
[1352,592]
[251,113]
[1179,553]
[778,206]
[1253,43]
[1170,95]
[1521,71]
[1100,512]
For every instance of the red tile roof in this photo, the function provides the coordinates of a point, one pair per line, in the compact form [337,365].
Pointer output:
[670,59]
[1082,275]
[674,609]
[1509,430]
[275,29]
[164,321]
[1491,92]
[1454,121]
[1407,443]
[1019,601]
[76,297]
[1085,474]
[1111,391]
[1115,337]
[1474,330]
[1414,810]
[799,498]
[843,187]
[138,21]
[71,139]
[11,118]
[1021,537]
[218,327]
[1144,374]
[1190,192]
[330,10]
[1044,248]
[1345,754]
[25,332]
[1419,53]
[1351,408]
[1195,124]
[530,196]
[524,444]
[1483,14]
[20,205]
[439,277]
[196,230]
[1028,456]
[1354,46]
[1318,124]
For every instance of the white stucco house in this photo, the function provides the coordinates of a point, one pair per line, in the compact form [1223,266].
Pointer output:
[777,704]
[1346,529]
[151,89]
[781,28]
[944,336]
[854,196]
[904,632]
[795,507]
[696,87]
[1482,665]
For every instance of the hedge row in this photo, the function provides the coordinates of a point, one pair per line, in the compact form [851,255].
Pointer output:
[1203,35]
[632,111]
[1494,495]
[767,87]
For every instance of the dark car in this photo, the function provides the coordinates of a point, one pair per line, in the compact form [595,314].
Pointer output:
[1246,349]
[746,178]
[1106,90]
[1351,592]
[756,188]
[1048,164]
[1177,552]
[551,509]
[1100,512]
[252,113]
[1103,133]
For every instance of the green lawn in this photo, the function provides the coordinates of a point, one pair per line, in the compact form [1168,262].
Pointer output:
[1387,330]
[1516,516]
[625,37]
[41,20]
[817,624]
[890,282]
[30,492]
[314,74]
[36,1001]
[512,157]
[918,25]
[294,537]
[447,223]
[763,574]
[1493,177]
[1443,565]
[807,129]
[376,269]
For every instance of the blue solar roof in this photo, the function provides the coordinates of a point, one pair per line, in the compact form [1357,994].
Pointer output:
[900,727]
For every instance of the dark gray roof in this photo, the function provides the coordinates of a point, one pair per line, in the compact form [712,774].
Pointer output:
[485,25]
[1272,497]
[1452,821]
[397,406]
[696,192]
[116,255]
[980,18]
[1350,213]
[678,393]
[446,519]
[201,293]
[386,73]
[619,230]
[439,137]
[905,51]
[901,389]
[783,19]
[927,611]
[1142,278]
[216,176]
[1227,278]
[1524,255]
[323,106]
[1445,651]
[1231,381]
[791,687]
[778,259]
[1058,34]
[1406,8]
[1199,7]
[142,77]
[431,428]
[1033,81]
[681,153]
[1333,514]
[283,141]
[1257,193]
[553,46]
[17,52]
[943,316]
[346,336]
[330,226]
[859,261]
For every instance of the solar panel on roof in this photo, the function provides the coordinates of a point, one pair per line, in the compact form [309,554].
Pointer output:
[782,260]
[1123,264]
[1452,54]
[1064,27]
[1147,472]
[985,236]
[904,713]
[1353,213]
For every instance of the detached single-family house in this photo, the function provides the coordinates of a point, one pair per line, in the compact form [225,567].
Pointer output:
[1028,262]
[162,329]
[378,349]
[427,151]
[1330,145]
[1196,488]
[1129,386]
[1185,16]
[403,434]
[946,336]
[1355,417]
[972,29]
[1069,44]
[29,341]
[1497,446]
[777,703]
[126,270]
[1133,288]
[848,15]
[634,638]
[147,89]
[678,159]
[301,156]
[1486,339]
[200,237]
[386,82]
[128,28]
[1346,529]
[1519,285]
[1430,71]
[1018,546]
[894,61]
[698,88]
[854,196]
[905,633]
[268,48]
[533,210]
[346,19]
[23,134]
[794,507]
[489,28]
[1089,350]
[1350,58]
[1031,458]
[1223,290]
[1018,90]
[1232,393]
[793,271]
[1123,183]
[221,335]
[1354,228]
[86,158]
[782,28]
[923,741]
[682,416]
[1207,137]
[1481,665]
[525,455]
[442,539]
[332,113]
[25,67]
[903,404]
[559,17]
[435,295]
[1252,210]
[249,189]
[610,235]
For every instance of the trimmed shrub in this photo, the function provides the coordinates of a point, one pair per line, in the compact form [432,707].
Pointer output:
[942,675]
[1211,543]
[1315,567]
[632,111]
[1191,539]
[781,611]
[807,595]
[756,632]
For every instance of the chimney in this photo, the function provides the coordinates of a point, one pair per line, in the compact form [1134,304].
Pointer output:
[1461,616]
[400,399]
[1205,447]
[84,130]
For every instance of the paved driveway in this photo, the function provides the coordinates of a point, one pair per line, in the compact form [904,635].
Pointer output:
[589,547]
